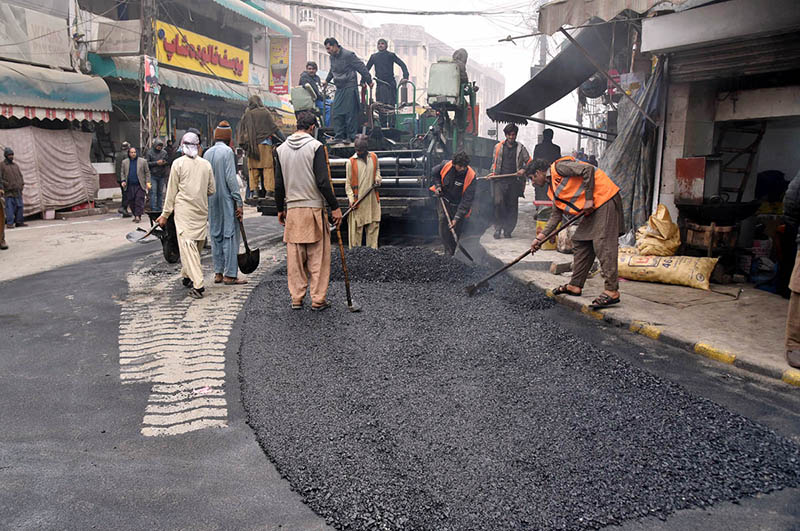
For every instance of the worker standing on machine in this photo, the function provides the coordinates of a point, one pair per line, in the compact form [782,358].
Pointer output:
[453,181]
[386,90]
[509,157]
[345,67]
[578,187]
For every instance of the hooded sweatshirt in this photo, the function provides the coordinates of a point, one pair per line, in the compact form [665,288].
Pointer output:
[301,175]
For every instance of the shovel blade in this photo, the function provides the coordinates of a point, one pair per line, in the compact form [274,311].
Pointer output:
[248,262]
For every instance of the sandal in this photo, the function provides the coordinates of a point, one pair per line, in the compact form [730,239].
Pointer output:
[217,279]
[324,306]
[563,290]
[603,301]
[233,281]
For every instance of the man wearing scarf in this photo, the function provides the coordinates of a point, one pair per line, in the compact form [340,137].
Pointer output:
[257,132]
[224,207]
[363,172]
[191,182]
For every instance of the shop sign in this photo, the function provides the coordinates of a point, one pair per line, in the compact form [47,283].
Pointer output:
[184,49]
[278,65]
[32,37]
[116,37]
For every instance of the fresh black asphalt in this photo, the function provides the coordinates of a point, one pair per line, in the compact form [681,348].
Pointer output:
[432,410]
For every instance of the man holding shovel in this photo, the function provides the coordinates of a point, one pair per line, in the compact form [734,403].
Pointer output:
[363,172]
[224,208]
[302,191]
[453,183]
[578,187]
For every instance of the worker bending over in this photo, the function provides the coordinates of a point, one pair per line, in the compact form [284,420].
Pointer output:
[453,181]
[363,172]
[575,187]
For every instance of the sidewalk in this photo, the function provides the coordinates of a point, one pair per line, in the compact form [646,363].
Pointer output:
[747,333]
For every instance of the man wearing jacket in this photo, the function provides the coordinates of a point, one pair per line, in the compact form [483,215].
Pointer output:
[578,187]
[386,89]
[345,67]
[509,157]
[453,181]
[157,162]
[791,210]
[119,156]
[302,191]
[11,183]
[310,78]
[134,175]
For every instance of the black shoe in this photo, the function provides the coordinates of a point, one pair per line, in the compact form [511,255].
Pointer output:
[9,225]
[3,246]
[23,224]
[497,234]
[187,282]
[196,293]
[507,234]
[126,215]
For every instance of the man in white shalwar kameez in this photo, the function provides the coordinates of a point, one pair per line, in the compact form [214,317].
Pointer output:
[191,181]
[363,172]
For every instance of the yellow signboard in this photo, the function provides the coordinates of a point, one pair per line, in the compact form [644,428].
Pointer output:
[184,49]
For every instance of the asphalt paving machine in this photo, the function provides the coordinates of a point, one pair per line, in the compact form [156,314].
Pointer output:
[414,140]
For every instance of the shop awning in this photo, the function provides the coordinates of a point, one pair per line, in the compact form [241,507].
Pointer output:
[128,68]
[34,92]
[563,74]
[256,15]
[573,13]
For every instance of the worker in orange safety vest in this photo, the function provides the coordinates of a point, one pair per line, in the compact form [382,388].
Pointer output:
[576,187]
[363,172]
[453,181]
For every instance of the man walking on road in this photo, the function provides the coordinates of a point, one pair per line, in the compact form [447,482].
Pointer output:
[509,157]
[157,161]
[452,181]
[120,156]
[363,172]
[190,184]
[302,190]
[791,210]
[257,132]
[224,207]
[576,187]
[11,183]
[345,67]
[135,178]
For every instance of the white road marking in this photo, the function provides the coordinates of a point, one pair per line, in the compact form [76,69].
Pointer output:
[177,344]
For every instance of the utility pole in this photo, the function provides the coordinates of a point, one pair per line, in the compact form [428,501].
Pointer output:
[148,102]
[540,64]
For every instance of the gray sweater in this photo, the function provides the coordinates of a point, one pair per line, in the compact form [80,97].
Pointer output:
[301,175]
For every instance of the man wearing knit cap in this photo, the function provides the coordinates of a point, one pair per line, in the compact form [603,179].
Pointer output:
[257,134]
[224,207]
[191,182]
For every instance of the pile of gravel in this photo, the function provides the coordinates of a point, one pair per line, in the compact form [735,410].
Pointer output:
[431,410]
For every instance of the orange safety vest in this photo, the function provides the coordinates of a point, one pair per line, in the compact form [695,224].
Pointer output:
[497,149]
[354,175]
[467,180]
[573,190]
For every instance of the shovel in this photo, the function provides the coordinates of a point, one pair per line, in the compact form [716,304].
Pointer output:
[350,304]
[472,288]
[135,237]
[453,231]
[249,259]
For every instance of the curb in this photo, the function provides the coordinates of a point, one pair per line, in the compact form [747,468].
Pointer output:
[789,376]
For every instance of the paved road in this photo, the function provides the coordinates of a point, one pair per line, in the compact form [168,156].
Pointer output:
[104,429]
[86,444]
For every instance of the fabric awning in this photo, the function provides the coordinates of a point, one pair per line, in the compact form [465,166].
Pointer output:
[559,13]
[256,15]
[28,91]
[563,74]
[128,68]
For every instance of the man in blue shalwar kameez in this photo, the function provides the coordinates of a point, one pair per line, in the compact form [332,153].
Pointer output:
[224,207]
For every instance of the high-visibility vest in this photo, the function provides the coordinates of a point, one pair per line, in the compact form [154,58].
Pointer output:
[354,175]
[467,180]
[572,189]
[497,149]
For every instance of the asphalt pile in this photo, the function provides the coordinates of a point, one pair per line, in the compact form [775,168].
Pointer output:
[433,410]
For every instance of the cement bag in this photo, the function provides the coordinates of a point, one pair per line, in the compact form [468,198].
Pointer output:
[681,270]
[564,240]
[660,237]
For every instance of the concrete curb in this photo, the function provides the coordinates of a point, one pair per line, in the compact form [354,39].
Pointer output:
[789,376]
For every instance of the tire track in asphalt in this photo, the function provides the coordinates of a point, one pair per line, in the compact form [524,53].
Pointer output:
[177,344]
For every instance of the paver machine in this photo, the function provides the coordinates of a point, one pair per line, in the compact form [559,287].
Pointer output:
[415,139]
